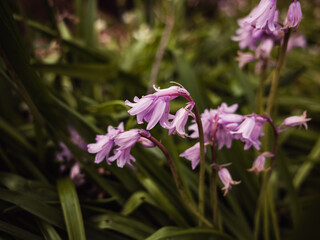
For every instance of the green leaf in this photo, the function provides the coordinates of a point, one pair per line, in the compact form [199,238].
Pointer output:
[162,201]
[71,209]
[175,233]
[121,224]
[48,232]
[34,206]
[136,200]
[107,108]
[17,232]
[87,71]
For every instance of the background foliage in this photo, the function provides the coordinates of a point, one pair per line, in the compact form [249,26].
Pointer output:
[76,71]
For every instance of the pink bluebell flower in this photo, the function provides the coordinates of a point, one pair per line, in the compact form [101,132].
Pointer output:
[228,121]
[244,58]
[262,16]
[259,163]
[296,121]
[250,130]
[193,155]
[227,180]
[294,16]
[179,122]
[104,143]
[155,107]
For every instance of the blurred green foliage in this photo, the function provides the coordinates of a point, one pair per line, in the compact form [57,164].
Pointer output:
[75,64]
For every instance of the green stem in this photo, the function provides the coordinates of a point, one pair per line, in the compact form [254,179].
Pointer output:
[266,219]
[276,76]
[265,182]
[214,191]
[260,101]
[202,162]
[177,181]
[273,214]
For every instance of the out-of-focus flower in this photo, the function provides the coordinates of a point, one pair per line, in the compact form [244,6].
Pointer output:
[227,180]
[296,40]
[104,143]
[294,16]
[258,164]
[192,154]
[155,107]
[296,121]
[244,58]
[76,175]
[250,130]
[262,17]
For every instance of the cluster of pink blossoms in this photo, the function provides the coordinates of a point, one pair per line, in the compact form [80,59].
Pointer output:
[261,30]
[221,125]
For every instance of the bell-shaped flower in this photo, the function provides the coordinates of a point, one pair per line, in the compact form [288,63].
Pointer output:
[179,122]
[294,16]
[244,58]
[296,121]
[259,163]
[125,141]
[262,17]
[104,143]
[226,179]
[155,107]
[193,155]
[250,130]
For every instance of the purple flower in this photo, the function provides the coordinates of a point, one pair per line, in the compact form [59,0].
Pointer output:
[296,40]
[76,175]
[294,16]
[258,164]
[262,17]
[125,141]
[227,122]
[104,143]
[179,122]
[193,155]
[250,131]
[265,48]
[297,121]
[226,179]
[155,108]
[244,58]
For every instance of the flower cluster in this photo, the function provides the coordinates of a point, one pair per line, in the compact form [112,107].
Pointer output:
[124,140]
[221,126]
[261,30]
[67,160]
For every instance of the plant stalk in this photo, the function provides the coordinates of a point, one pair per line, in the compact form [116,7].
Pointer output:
[177,181]
[264,186]
[214,191]
[202,163]
[276,76]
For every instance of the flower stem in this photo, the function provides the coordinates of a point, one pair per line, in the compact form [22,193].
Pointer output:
[276,76]
[260,102]
[177,181]
[202,162]
[264,186]
[214,191]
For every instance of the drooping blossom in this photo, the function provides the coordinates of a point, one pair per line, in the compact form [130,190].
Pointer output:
[104,143]
[76,174]
[193,155]
[154,108]
[228,121]
[259,163]
[294,16]
[179,122]
[244,58]
[250,130]
[226,179]
[262,16]
[296,121]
